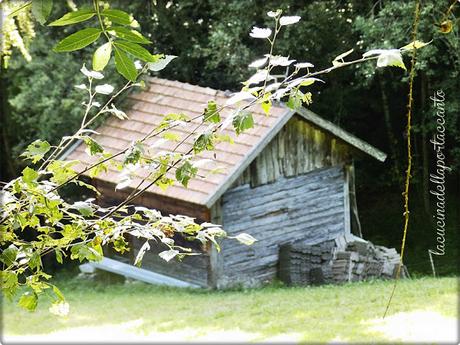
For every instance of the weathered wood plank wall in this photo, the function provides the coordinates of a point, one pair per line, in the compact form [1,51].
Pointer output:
[109,197]
[282,197]
[298,148]
[309,206]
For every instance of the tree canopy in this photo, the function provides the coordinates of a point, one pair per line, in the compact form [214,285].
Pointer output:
[214,43]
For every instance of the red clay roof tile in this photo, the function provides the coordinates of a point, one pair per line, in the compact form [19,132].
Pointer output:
[146,111]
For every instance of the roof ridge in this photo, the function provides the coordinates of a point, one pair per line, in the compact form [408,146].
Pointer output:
[185,85]
[198,88]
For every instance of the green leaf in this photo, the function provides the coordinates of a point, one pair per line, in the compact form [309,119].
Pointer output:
[29,175]
[41,9]
[124,65]
[101,56]
[266,106]
[288,20]
[387,57]
[59,255]
[140,255]
[70,233]
[78,40]
[36,150]
[35,261]
[58,293]
[225,138]
[391,57]
[9,283]
[171,136]
[204,142]
[133,155]
[128,34]
[94,172]
[211,114]
[176,117]
[167,255]
[117,16]
[339,59]
[309,81]
[34,282]
[74,17]
[136,50]
[9,279]
[164,183]
[116,112]
[87,185]
[245,239]
[185,172]
[93,147]
[243,121]
[266,103]
[84,252]
[84,208]
[61,170]
[415,45]
[161,63]
[28,301]
[307,98]
[120,245]
[172,118]
[9,255]
[295,99]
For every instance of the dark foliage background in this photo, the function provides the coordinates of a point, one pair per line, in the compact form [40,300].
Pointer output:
[211,40]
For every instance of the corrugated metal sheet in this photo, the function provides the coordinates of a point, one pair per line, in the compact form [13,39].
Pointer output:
[164,97]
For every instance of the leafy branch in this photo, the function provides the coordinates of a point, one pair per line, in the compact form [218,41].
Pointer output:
[80,229]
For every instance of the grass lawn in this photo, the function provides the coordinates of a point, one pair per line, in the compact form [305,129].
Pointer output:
[422,309]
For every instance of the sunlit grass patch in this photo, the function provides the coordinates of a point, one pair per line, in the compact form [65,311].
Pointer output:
[350,312]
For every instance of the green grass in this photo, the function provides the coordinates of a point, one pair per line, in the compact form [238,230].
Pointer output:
[318,314]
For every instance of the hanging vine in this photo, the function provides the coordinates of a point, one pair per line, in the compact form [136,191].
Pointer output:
[408,177]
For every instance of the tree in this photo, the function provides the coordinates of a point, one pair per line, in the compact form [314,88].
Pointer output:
[79,229]
[437,69]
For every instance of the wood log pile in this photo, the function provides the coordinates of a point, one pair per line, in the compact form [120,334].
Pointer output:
[336,261]
[304,264]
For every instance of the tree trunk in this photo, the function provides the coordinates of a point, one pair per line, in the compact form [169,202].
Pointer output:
[392,142]
[7,168]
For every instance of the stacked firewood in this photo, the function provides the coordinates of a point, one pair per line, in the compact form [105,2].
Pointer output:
[301,263]
[336,261]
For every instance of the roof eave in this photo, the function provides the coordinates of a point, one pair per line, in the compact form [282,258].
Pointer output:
[309,116]
[73,146]
[347,137]
[249,157]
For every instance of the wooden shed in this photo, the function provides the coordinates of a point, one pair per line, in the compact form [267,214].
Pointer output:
[289,178]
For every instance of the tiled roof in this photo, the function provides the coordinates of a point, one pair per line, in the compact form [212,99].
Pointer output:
[163,97]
